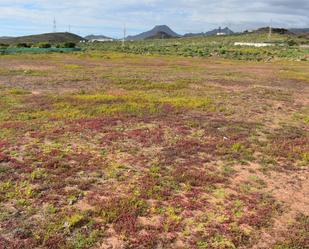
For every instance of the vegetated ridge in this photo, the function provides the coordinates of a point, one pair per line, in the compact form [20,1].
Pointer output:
[48,37]
[281,31]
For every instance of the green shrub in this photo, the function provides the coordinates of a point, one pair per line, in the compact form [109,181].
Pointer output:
[22,45]
[66,45]
[69,45]
[291,42]
[43,45]
[2,45]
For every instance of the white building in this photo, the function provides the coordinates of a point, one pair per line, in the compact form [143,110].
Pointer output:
[101,40]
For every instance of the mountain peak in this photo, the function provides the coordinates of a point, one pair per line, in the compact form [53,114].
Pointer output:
[161,26]
[158,29]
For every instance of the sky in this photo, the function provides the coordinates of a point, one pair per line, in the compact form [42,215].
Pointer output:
[107,17]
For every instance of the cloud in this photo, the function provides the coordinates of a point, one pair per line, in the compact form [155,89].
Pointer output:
[108,17]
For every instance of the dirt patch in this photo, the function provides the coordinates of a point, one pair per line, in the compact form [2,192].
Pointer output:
[291,189]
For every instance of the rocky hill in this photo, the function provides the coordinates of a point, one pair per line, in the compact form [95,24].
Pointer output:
[157,30]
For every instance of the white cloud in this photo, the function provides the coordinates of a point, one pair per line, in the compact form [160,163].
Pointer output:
[107,16]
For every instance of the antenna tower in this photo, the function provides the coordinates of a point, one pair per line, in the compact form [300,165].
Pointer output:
[270,30]
[124,35]
[230,28]
[54,25]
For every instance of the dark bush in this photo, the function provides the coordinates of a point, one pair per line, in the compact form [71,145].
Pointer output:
[69,45]
[2,45]
[43,45]
[291,42]
[22,45]
[66,45]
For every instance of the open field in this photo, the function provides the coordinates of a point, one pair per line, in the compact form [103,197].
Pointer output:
[290,47]
[113,150]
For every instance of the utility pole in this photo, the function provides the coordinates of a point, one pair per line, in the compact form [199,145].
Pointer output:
[230,29]
[54,26]
[69,28]
[270,31]
[124,35]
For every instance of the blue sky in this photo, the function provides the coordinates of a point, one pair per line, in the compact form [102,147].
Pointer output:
[107,17]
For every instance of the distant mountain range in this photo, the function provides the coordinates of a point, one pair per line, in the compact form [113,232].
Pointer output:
[5,37]
[93,37]
[300,31]
[226,31]
[156,32]
[48,37]
[164,32]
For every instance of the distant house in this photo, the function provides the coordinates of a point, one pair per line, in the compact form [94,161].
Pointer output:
[102,40]
[225,31]
[98,38]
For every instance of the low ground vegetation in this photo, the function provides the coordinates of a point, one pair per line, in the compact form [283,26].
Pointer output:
[285,47]
[115,150]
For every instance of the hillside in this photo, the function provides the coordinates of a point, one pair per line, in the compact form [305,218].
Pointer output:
[91,37]
[48,37]
[153,33]
[160,35]
[280,31]
[226,30]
